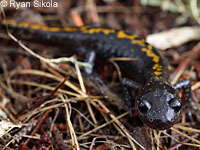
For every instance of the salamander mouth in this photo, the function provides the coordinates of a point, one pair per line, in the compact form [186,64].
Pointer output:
[159,125]
[159,118]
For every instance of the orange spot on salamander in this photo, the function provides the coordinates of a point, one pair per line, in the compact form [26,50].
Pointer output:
[55,29]
[97,30]
[35,26]
[70,29]
[149,53]
[157,73]
[44,28]
[140,42]
[122,34]
[155,57]
[23,24]
[10,22]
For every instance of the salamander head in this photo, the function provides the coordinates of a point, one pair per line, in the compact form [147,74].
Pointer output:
[158,105]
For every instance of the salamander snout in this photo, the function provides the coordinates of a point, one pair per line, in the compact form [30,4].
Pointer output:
[159,107]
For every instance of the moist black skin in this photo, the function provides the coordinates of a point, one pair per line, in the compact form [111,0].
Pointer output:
[157,102]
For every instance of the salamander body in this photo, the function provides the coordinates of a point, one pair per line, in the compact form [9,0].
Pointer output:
[157,101]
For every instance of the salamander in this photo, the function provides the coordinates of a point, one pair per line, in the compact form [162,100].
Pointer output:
[157,101]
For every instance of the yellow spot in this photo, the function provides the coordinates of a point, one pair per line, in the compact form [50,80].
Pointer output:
[10,22]
[70,29]
[84,28]
[140,42]
[55,29]
[122,34]
[97,30]
[155,59]
[44,28]
[157,73]
[151,54]
[159,69]
[35,26]
[23,24]
[150,47]
[156,66]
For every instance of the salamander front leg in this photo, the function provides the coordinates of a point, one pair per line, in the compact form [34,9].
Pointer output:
[128,99]
[90,59]
[187,97]
[186,86]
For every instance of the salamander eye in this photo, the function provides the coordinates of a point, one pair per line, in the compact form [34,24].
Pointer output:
[175,104]
[143,106]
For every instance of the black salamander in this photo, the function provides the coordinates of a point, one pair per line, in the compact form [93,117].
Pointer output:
[157,102]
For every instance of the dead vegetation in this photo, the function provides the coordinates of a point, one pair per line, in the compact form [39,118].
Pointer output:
[50,104]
